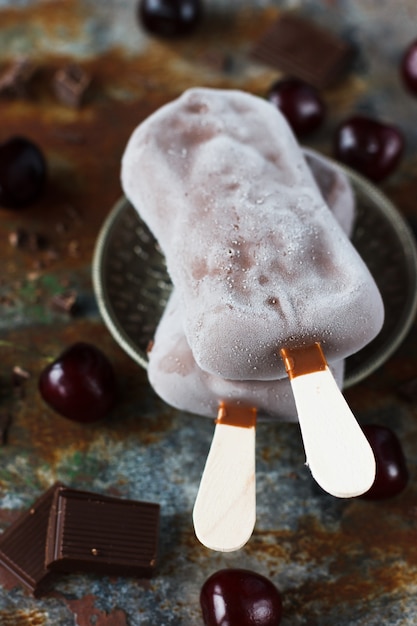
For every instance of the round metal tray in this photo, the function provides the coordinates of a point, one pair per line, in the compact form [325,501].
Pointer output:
[132,286]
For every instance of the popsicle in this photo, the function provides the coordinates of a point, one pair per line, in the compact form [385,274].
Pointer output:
[258,260]
[262,270]
[172,370]
[180,382]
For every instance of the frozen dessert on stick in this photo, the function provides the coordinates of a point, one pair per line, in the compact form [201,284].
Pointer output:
[172,369]
[337,451]
[181,383]
[260,267]
[259,261]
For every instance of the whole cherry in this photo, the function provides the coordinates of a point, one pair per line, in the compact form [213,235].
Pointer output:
[408,68]
[170,18]
[80,384]
[391,468]
[240,597]
[299,102]
[22,173]
[369,146]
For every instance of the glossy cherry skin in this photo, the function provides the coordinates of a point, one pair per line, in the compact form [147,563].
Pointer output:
[170,18]
[408,68]
[391,468]
[80,384]
[22,173]
[300,103]
[240,597]
[369,146]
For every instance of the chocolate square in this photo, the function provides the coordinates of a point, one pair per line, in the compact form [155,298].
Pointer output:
[89,532]
[16,78]
[22,545]
[304,50]
[71,84]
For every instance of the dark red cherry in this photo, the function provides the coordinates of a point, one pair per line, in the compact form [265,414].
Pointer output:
[170,18]
[240,597]
[391,468]
[22,173]
[80,384]
[299,102]
[369,146]
[408,68]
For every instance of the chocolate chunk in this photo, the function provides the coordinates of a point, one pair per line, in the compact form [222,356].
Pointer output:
[298,47]
[34,242]
[65,302]
[18,238]
[14,81]
[89,532]
[22,545]
[71,84]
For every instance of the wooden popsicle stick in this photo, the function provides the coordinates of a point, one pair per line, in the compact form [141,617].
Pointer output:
[225,508]
[337,452]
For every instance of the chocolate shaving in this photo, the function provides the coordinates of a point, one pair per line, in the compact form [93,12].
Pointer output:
[301,48]
[216,60]
[65,302]
[18,238]
[71,84]
[23,239]
[15,80]
[19,375]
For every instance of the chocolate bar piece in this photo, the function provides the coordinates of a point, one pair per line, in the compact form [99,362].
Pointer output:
[89,532]
[71,84]
[15,80]
[22,545]
[301,48]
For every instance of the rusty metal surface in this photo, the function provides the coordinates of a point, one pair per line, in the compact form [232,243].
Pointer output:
[336,562]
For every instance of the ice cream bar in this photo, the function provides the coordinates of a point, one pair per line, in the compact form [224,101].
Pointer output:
[258,259]
[172,369]
[181,383]
[335,188]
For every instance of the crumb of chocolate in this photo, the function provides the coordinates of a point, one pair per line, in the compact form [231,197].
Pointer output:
[19,378]
[216,60]
[301,48]
[18,238]
[23,239]
[70,136]
[20,373]
[36,242]
[50,256]
[408,390]
[71,84]
[61,228]
[6,300]
[74,248]
[5,422]
[16,78]
[65,302]
[73,212]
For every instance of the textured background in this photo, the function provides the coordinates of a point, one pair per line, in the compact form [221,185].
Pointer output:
[336,562]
